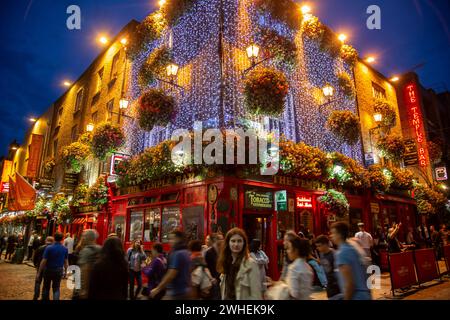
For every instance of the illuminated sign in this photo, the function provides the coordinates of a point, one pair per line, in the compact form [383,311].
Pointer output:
[304,201]
[416,122]
[115,160]
[441,174]
[258,199]
[4,187]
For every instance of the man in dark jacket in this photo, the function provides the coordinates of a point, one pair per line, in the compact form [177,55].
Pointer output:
[37,258]
[211,256]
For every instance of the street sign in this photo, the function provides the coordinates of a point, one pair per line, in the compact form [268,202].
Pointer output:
[411,158]
[441,174]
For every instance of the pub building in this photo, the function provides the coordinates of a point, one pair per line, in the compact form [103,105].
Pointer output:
[264,206]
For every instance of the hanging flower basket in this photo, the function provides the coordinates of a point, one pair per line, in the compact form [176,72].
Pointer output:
[49,164]
[349,54]
[106,139]
[74,156]
[155,109]
[98,193]
[429,201]
[402,179]
[330,43]
[346,84]
[282,49]
[146,32]
[387,110]
[80,195]
[335,202]
[434,151]
[312,28]
[347,172]
[379,180]
[345,126]
[392,147]
[60,208]
[154,66]
[265,92]
[174,9]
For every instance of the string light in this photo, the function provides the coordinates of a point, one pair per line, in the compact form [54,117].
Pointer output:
[195,50]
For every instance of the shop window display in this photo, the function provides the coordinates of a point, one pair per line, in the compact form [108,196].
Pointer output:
[170,221]
[152,225]
[136,225]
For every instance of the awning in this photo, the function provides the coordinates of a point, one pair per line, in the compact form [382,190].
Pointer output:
[79,221]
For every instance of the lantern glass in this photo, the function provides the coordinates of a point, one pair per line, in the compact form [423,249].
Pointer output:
[90,127]
[378,117]
[328,91]
[253,51]
[172,70]
[123,103]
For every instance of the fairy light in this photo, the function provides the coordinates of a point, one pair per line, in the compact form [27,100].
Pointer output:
[195,45]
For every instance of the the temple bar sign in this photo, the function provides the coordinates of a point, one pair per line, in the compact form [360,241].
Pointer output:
[258,199]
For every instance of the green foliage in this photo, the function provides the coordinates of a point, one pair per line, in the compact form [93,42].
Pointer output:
[265,92]
[74,156]
[429,200]
[60,207]
[146,32]
[380,178]
[349,54]
[347,172]
[312,28]
[80,195]
[98,192]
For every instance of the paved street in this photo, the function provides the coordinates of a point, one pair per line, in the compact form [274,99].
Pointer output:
[17,283]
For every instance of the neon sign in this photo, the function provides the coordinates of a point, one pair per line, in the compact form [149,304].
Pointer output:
[412,100]
[304,202]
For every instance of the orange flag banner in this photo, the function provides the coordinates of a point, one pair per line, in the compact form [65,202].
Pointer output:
[22,195]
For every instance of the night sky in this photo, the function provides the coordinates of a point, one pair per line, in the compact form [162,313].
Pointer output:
[38,52]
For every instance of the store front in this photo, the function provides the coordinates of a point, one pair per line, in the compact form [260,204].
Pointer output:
[87,217]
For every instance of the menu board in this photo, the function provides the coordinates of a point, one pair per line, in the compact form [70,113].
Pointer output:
[170,222]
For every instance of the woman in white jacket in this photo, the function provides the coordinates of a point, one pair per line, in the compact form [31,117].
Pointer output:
[300,276]
[261,259]
[240,278]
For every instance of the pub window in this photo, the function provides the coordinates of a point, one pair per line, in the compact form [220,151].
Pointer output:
[169,197]
[99,80]
[94,117]
[150,200]
[79,100]
[170,222]
[152,225]
[114,65]
[60,112]
[74,133]
[378,92]
[136,225]
[110,109]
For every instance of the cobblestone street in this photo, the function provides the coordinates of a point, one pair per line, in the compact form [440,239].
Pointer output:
[17,283]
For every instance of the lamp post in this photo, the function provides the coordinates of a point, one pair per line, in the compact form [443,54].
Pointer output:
[171,72]
[90,127]
[328,93]
[253,53]
[378,118]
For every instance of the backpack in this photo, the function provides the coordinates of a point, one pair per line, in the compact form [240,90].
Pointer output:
[202,280]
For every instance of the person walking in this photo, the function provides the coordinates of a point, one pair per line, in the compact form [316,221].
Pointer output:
[37,258]
[10,246]
[89,252]
[352,268]
[288,236]
[261,259]
[201,279]
[54,263]
[177,279]
[135,257]
[156,269]
[3,244]
[240,278]
[327,261]
[30,246]
[109,275]
[68,243]
[365,239]
[211,257]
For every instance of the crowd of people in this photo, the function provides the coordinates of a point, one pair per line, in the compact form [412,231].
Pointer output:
[225,267]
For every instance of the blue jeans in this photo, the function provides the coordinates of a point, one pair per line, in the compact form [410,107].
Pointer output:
[53,278]
[135,275]
[37,286]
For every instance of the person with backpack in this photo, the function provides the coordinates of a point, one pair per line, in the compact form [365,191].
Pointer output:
[89,252]
[136,258]
[201,279]
[156,269]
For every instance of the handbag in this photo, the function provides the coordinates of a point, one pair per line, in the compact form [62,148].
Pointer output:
[280,291]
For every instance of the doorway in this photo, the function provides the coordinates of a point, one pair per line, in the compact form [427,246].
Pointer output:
[257,227]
